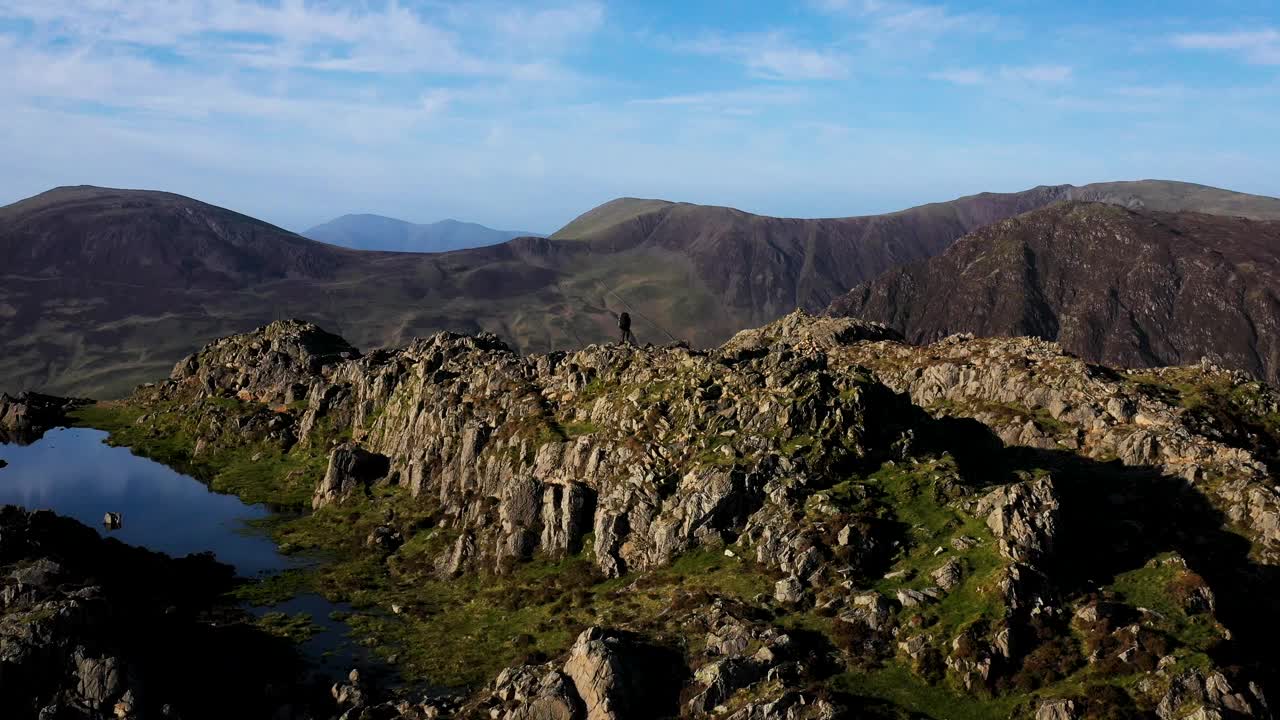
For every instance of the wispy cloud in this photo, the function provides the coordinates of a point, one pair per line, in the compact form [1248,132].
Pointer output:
[1261,47]
[774,56]
[907,26]
[1026,74]
[319,65]
[727,98]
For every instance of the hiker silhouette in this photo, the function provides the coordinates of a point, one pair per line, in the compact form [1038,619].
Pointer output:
[624,325]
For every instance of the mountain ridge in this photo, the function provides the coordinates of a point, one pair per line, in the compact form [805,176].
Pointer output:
[1129,287]
[368,231]
[122,283]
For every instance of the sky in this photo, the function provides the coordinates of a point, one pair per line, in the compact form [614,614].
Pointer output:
[522,115]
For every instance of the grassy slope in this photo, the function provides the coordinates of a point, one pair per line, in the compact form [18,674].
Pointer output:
[608,215]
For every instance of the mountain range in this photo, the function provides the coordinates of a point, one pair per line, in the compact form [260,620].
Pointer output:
[102,288]
[1134,288]
[375,232]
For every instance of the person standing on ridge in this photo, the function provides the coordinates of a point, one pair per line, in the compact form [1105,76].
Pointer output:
[624,324]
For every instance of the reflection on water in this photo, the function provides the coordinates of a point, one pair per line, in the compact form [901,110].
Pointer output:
[72,472]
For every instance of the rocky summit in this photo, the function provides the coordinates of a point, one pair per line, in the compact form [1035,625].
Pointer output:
[813,520]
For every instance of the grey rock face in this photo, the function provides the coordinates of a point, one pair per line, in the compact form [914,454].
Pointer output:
[351,469]
[599,676]
[1057,710]
[1023,517]
[25,418]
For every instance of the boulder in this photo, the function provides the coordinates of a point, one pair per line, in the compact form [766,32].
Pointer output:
[1024,518]
[1057,710]
[351,468]
[595,667]
[949,575]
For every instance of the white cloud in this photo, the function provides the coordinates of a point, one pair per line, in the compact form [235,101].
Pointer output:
[761,96]
[1261,47]
[773,56]
[362,74]
[1038,74]
[961,76]
[1027,74]
[550,27]
[906,27]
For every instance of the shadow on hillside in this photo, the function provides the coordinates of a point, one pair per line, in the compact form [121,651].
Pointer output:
[1115,518]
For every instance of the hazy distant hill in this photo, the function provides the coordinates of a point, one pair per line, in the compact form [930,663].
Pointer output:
[375,232]
[1119,286]
[100,288]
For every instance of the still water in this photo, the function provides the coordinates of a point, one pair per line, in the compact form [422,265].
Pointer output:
[74,473]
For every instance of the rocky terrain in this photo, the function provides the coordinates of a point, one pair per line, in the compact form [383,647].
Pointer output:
[94,629]
[1130,288]
[813,520]
[101,289]
[24,418]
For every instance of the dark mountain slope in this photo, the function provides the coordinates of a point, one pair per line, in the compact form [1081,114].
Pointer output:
[100,289]
[1128,287]
[151,238]
[375,232]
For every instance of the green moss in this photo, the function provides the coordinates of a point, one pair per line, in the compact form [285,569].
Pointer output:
[274,589]
[898,685]
[460,632]
[578,429]
[1005,413]
[1156,588]
[297,628]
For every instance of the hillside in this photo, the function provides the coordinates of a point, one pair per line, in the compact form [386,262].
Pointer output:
[1135,288]
[101,289]
[375,232]
[812,521]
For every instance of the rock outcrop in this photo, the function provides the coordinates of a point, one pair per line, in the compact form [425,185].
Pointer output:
[959,509]
[91,628]
[25,418]
[351,469]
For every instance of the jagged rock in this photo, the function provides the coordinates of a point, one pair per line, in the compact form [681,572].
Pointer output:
[1023,517]
[1057,710]
[384,537]
[911,598]
[789,591]
[1209,695]
[351,468]
[100,680]
[722,678]
[93,628]
[554,698]
[949,575]
[800,330]
[267,365]
[25,418]
[790,706]
[566,513]
[351,694]
[598,675]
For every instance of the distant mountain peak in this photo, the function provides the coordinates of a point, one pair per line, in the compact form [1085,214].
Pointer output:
[367,231]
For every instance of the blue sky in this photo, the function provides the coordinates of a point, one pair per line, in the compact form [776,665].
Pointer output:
[521,115]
